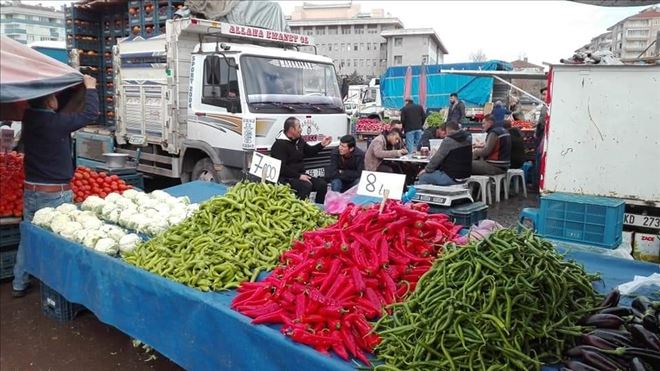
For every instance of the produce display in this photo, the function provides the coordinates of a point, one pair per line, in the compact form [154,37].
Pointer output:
[231,238]
[507,302]
[85,228]
[88,182]
[619,337]
[330,285]
[523,125]
[148,213]
[365,125]
[11,184]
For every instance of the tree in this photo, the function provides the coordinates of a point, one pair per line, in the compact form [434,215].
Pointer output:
[478,56]
[355,79]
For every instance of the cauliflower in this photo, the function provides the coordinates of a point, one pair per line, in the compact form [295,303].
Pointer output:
[91,223]
[129,242]
[157,226]
[106,246]
[66,208]
[59,222]
[190,209]
[125,203]
[140,222]
[93,203]
[126,218]
[131,194]
[70,229]
[154,214]
[113,232]
[160,195]
[107,208]
[185,200]
[113,215]
[176,219]
[141,198]
[44,216]
[113,197]
[92,237]
[80,235]
[162,209]
[75,214]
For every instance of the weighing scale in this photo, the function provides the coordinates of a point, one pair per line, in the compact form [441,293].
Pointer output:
[441,196]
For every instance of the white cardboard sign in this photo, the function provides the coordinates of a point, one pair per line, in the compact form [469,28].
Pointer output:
[374,184]
[265,167]
[249,134]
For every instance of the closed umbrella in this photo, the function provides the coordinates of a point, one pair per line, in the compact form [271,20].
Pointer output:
[407,83]
[422,86]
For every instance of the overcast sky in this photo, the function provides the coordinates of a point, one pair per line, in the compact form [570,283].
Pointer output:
[544,31]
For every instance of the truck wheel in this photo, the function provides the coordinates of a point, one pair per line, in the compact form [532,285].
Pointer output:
[204,171]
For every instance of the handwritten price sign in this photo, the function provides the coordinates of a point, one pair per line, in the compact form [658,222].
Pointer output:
[265,167]
[374,184]
[248,130]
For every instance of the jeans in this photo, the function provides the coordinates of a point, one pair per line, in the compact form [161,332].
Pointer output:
[303,188]
[412,139]
[33,201]
[338,185]
[482,167]
[438,177]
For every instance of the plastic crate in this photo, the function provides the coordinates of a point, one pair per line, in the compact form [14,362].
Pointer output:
[135,180]
[55,306]
[9,235]
[469,214]
[7,261]
[589,220]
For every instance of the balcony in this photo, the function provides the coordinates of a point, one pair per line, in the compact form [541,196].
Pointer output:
[634,47]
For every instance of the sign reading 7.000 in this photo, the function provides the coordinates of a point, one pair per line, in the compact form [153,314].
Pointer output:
[265,167]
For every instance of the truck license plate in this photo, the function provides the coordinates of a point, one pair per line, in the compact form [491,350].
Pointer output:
[317,173]
[641,220]
[137,139]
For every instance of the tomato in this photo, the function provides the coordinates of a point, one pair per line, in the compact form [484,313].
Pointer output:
[86,176]
[78,175]
[114,177]
[103,174]
[107,189]
[107,180]
[103,194]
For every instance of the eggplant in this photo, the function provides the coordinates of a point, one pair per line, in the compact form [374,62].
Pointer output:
[612,299]
[603,321]
[579,366]
[618,338]
[637,313]
[601,361]
[641,303]
[598,342]
[637,365]
[618,311]
[650,322]
[644,337]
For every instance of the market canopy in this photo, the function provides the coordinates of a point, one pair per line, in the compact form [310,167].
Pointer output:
[26,74]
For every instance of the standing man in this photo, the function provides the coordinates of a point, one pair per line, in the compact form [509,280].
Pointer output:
[499,112]
[456,109]
[452,163]
[412,117]
[346,165]
[495,157]
[291,149]
[46,135]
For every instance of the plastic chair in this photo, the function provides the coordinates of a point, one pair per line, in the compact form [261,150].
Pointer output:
[511,175]
[499,180]
[482,181]
[528,213]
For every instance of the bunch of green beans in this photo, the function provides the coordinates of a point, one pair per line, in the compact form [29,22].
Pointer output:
[231,238]
[507,302]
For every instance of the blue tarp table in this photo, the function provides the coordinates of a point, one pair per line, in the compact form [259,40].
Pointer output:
[198,330]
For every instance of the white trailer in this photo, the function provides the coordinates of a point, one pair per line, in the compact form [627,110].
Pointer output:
[603,136]
[189,98]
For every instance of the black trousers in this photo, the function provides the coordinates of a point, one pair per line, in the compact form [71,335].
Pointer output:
[303,188]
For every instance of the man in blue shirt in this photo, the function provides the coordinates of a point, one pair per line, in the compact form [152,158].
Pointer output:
[46,136]
[499,113]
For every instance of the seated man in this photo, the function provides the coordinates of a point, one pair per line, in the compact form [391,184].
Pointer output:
[436,132]
[346,165]
[452,163]
[396,124]
[291,149]
[517,146]
[495,157]
[382,147]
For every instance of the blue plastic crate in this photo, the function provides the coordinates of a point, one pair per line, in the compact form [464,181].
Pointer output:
[135,180]
[469,214]
[7,261]
[55,306]
[9,235]
[590,220]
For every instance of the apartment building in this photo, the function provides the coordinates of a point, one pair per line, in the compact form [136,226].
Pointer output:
[413,46]
[28,23]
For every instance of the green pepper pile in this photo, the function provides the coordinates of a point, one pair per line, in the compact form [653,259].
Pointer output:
[507,302]
[231,238]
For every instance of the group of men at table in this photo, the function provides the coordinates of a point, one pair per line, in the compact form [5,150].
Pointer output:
[454,162]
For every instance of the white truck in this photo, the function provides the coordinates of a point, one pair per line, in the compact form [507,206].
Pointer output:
[603,136]
[198,99]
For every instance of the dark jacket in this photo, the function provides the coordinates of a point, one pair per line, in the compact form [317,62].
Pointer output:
[454,157]
[46,136]
[351,167]
[456,112]
[498,148]
[427,135]
[292,154]
[517,148]
[412,117]
[498,114]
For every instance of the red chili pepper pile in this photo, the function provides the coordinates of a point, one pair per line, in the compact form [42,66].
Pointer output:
[522,124]
[338,278]
[88,182]
[11,184]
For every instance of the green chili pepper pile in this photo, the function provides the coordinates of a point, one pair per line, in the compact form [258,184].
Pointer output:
[231,238]
[507,302]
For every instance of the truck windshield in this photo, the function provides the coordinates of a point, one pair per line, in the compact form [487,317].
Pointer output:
[277,85]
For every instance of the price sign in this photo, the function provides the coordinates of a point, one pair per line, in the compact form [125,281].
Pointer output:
[249,127]
[265,167]
[374,184]
[6,139]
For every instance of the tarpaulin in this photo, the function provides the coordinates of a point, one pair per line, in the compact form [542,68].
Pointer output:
[474,91]
[198,330]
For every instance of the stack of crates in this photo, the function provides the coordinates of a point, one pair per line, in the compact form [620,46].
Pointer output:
[55,306]
[10,235]
[147,18]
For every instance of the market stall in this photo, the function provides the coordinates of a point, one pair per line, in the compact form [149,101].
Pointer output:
[199,330]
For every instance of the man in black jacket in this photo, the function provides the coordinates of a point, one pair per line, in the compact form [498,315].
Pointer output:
[456,109]
[412,117]
[436,132]
[291,149]
[495,157]
[452,163]
[346,165]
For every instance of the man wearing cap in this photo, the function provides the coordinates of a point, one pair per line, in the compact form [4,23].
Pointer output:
[412,117]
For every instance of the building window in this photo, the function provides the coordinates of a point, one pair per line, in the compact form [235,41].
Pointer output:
[329,47]
[638,33]
[362,46]
[346,30]
[372,29]
[355,47]
[336,48]
[348,63]
[368,46]
[398,60]
[398,41]
[359,30]
[375,63]
[309,31]
[320,31]
[343,62]
[349,47]
[425,59]
[361,62]
[355,62]
[342,46]
[332,30]
[375,46]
